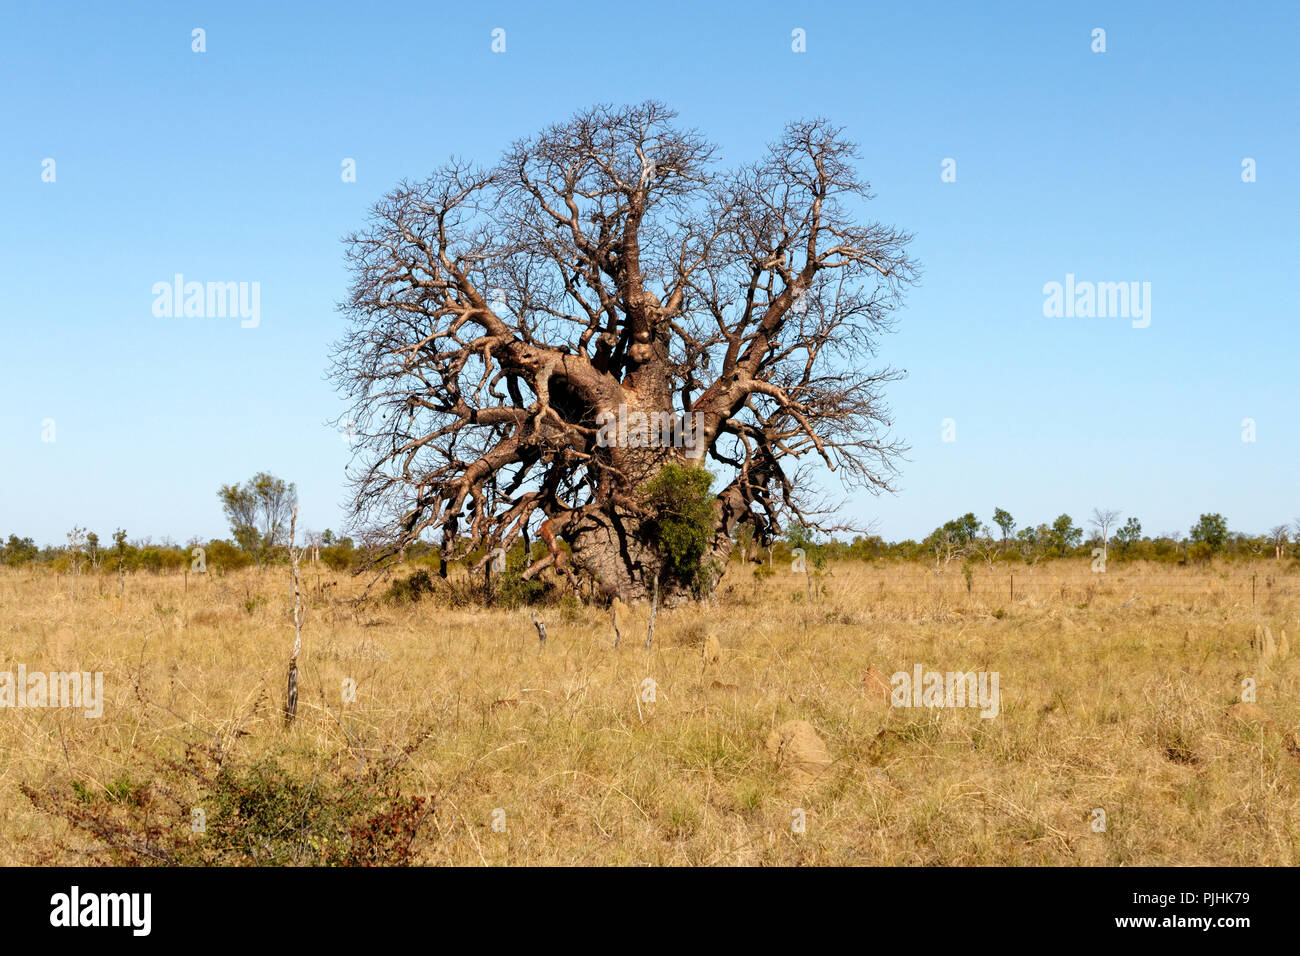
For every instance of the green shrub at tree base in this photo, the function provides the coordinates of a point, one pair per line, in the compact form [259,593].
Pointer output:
[681,525]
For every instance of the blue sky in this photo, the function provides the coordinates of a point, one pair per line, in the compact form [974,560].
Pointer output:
[225,165]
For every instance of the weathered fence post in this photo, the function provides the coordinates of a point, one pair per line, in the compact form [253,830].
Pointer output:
[654,604]
[291,698]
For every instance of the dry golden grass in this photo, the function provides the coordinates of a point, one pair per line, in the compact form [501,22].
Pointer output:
[1102,705]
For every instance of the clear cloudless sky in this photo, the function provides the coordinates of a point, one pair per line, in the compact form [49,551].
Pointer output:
[225,166]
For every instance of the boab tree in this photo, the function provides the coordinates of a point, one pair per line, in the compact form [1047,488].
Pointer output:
[519,335]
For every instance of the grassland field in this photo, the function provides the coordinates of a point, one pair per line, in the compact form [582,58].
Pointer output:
[1115,696]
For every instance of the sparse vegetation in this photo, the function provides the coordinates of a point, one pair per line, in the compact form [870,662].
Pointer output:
[1115,694]
[410,589]
[260,814]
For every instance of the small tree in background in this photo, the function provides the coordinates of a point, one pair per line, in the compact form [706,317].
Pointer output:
[1003,520]
[965,528]
[1065,535]
[76,541]
[240,507]
[1277,536]
[1212,530]
[952,539]
[259,512]
[18,551]
[314,542]
[1102,519]
[803,538]
[799,535]
[119,545]
[1129,535]
[988,547]
[745,541]
[1034,542]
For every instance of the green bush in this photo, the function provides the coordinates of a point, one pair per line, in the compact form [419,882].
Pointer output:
[338,557]
[157,560]
[19,551]
[224,556]
[683,516]
[266,816]
[410,589]
[254,815]
[513,591]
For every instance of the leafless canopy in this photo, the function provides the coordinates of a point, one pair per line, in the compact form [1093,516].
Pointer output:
[608,261]
[1102,519]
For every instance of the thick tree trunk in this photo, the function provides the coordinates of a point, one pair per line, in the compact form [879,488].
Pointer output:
[610,545]
[622,565]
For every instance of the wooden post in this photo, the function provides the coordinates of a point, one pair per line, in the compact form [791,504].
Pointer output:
[654,604]
[1013,587]
[291,696]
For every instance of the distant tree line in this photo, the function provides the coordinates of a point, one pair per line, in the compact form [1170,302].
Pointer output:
[259,510]
[143,554]
[966,539]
